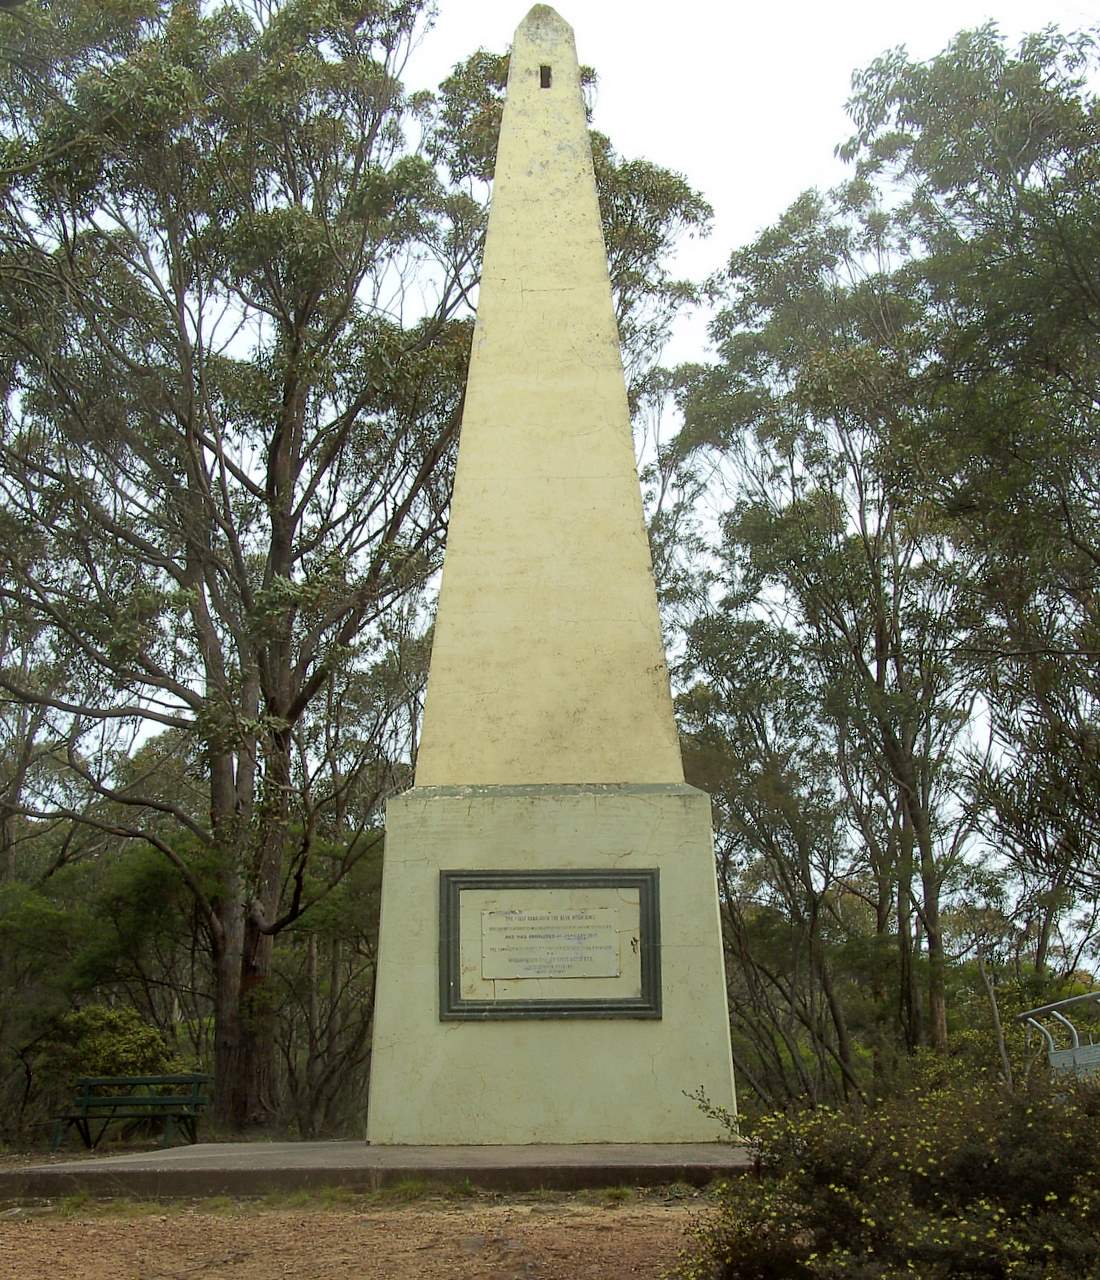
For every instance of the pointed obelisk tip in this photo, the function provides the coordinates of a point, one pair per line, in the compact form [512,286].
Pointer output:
[542,18]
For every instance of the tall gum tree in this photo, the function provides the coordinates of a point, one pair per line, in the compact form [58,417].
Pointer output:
[757,741]
[991,153]
[222,449]
[907,381]
[814,361]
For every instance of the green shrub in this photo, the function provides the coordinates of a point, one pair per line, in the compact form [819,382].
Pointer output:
[945,1182]
[102,1041]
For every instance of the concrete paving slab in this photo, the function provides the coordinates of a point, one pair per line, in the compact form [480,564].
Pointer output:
[257,1168]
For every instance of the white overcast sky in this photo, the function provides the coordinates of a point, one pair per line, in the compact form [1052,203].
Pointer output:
[747,101]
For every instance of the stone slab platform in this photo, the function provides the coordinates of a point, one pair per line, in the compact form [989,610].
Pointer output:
[256,1168]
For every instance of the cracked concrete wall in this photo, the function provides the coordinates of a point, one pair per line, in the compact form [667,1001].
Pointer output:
[548,663]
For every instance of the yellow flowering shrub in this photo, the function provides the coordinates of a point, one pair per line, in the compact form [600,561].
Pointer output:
[946,1181]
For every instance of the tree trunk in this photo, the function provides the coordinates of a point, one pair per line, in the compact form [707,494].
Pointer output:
[256,1068]
[995,1014]
[937,960]
[228,943]
[228,952]
[908,999]
[883,908]
[256,1065]
[7,842]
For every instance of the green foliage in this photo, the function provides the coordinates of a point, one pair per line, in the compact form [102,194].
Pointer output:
[904,403]
[953,1179]
[645,210]
[102,1041]
[323,968]
[470,105]
[991,156]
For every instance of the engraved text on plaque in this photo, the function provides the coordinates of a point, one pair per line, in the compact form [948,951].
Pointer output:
[578,942]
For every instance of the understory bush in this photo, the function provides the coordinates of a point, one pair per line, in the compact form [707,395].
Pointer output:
[947,1180]
[102,1041]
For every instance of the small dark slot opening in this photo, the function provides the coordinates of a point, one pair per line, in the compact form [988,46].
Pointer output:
[544,77]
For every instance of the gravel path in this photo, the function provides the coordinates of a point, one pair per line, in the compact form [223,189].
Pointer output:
[516,1239]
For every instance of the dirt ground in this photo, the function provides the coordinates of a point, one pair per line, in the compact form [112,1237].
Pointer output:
[522,1238]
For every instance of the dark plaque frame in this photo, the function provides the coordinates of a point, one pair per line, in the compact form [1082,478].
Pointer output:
[452,1006]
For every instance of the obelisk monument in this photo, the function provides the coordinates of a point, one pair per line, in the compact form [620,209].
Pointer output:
[550,957]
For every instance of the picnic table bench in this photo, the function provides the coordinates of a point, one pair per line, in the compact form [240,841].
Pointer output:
[101,1100]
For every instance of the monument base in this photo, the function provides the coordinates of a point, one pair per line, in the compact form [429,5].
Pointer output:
[591,1031]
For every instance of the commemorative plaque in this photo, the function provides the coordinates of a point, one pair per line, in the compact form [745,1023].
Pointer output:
[549,944]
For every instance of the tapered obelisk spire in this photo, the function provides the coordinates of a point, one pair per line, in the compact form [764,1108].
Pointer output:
[547,665]
[550,952]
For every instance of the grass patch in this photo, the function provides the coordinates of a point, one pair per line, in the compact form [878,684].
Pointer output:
[464,1190]
[78,1202]
[601,1195]
[217,1204]
[83,1204]
[336,1198]
[320,1199]
[326,1197]
[618,1195]
[130,1208]
[409,1189]
[685,1190]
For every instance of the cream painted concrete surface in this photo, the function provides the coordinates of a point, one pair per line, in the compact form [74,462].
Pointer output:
[548,740]
[553,1080]
[547,664]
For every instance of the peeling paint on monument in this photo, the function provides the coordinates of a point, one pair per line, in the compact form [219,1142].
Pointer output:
[549,759]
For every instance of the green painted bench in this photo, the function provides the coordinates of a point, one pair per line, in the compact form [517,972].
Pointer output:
[101,1100]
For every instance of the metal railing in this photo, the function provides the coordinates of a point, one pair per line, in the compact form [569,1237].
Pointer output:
[1078,1059]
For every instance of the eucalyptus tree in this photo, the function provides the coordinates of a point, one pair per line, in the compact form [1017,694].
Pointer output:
[223,452]
[815,361]
[234,323]
[22,747]
[756,741]
[991,156]
[906,399]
